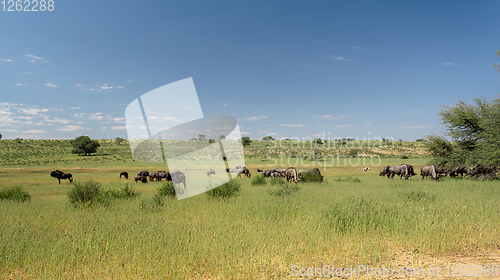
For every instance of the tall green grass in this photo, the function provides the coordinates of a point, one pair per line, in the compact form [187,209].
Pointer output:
[252,235]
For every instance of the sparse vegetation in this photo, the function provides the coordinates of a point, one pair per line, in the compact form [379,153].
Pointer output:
[16,194]
[259,180]
[227,190]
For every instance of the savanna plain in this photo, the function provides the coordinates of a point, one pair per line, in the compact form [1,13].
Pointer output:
[352,218]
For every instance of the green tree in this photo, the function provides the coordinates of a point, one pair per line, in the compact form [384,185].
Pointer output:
[83,145]
[267,138]
[245,140]
[0,136]
[119,140]
[318,141]
[222,137]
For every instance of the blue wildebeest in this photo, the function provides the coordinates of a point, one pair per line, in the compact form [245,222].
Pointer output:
[291,174]
[210,172]
[385,171]
[244,171]
[178,178]
[61,175]
[124,174]
[429,171]
[401,170]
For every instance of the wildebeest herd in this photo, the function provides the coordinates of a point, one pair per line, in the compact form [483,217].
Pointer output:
[289,173]
[406,171]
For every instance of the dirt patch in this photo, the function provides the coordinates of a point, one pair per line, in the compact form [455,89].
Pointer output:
[406,265]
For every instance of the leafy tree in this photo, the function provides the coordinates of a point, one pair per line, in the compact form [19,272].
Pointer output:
[222,137]
[245,140]
[119,140]
[475,133]
[83,145]
[0,136]
[211,141]
[267,138]
[318,141]
[201,137]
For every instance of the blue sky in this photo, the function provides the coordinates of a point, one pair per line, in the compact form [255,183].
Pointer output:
[362,69]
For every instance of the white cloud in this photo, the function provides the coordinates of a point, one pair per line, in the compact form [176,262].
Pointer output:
[6,60]
[446,64]
[18,85]
[32,111]
[338,58]
[256,118]
[343,125]
[78,85]
[224,104]
[331,117]
[32,58]
[74,108]
[262,131]
[51,85]
[317,135]
[368,124]
[118,120]
[70,128]
[119,127]
[245,133]
[355,47]
[120,87]
[96,116]
[35,131]
[292,125]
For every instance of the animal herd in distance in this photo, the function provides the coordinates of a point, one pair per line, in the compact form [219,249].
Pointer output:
[290,174]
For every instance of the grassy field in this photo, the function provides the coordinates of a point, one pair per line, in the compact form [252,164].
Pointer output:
[353,218]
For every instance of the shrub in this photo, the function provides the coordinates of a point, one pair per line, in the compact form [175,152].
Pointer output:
[311,177]
[167,189]
[259,180]
[225,191]
[277,181]
[125,192]
[84,193]
[348,179]
[284,190]
[403,156]
[152,204]
[15,194]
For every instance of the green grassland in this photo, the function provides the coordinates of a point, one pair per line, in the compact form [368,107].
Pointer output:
[254,235]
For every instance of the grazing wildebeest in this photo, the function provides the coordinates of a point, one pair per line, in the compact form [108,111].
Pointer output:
[401,170]
[231,170]
[245,171]
[266,173]
[164,175]
[124,174]
[141,178]
[411,172]
[154,175]
[366,168]
[179,178]
[280,171]
[385,171]
[210,172]
[143,173]
[61,175]
[429,171]
[291,174]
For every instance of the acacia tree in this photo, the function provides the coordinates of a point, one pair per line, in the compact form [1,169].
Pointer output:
[83,145]
[245,140]
[475,133]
